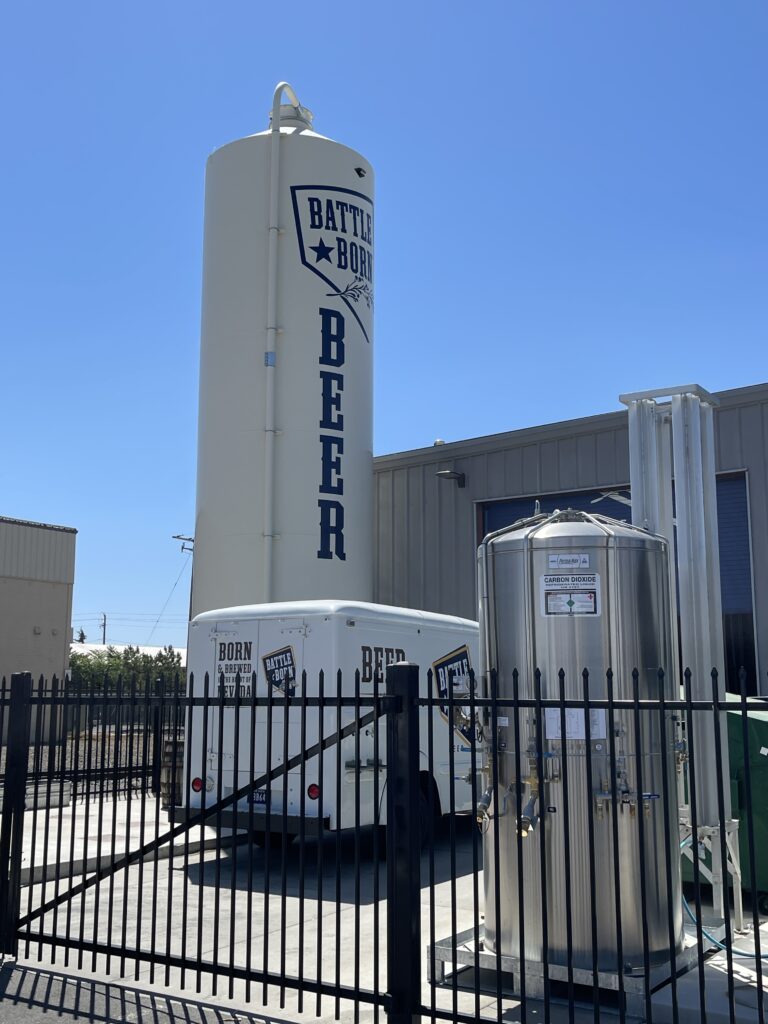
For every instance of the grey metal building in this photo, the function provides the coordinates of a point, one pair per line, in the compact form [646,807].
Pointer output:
[428,527]
[37,572]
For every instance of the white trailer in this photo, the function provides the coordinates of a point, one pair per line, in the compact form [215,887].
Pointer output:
[276,644]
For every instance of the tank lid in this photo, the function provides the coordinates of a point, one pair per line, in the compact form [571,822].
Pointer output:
[561,523]
[294,116]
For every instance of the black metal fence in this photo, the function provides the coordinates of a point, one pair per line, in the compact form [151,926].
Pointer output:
[462,853]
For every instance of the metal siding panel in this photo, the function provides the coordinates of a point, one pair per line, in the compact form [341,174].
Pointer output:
[531,469]
[465,550]
[384,540]
[477,473]
[400,557]
[621,463]
[586,460]
[728,423]
[568,466]
[37,553]
[549,475]
[494,477]
[513,472]
[414,589]
[605,447]
[447,491]
[432,582]
[376,533]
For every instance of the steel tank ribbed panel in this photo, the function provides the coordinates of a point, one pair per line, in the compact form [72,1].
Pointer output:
[616,577]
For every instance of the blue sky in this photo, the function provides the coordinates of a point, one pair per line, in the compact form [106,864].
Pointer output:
[571,203]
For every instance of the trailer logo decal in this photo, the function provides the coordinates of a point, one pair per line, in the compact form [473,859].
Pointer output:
[233,665]
[375,660]
[280,670]
[452,679]
[334,227]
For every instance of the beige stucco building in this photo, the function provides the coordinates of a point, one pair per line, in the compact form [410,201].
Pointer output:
[37,572]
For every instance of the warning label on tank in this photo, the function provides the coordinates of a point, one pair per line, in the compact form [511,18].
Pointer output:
[575,724]
[570,593]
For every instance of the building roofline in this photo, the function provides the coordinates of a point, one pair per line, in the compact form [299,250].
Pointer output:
[37,526]
[615,420]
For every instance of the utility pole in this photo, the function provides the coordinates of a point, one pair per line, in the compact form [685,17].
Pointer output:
[104,627]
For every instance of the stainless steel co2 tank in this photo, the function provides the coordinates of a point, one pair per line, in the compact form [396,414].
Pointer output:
[571,590]
[285,464]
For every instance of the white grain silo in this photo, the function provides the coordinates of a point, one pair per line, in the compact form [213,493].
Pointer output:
[284,476]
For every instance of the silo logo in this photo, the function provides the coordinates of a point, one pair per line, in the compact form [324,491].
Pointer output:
[334,227]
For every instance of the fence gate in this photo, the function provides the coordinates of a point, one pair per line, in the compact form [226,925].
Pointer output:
[122,857]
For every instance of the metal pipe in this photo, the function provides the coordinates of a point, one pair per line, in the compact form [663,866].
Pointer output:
[270,353]
[701,631]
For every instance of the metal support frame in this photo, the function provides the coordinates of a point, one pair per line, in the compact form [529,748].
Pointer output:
[403,847]
[459,953]
[708,840]
[12,818]
[678,437]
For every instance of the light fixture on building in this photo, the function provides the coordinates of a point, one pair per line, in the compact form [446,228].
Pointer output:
[452,474]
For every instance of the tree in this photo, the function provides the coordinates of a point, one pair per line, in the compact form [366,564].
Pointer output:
[81,636]
[92,668]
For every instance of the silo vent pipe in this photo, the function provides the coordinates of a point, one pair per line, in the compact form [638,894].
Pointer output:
[270,359]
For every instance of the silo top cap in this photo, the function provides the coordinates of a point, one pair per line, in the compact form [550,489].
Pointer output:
[294,117]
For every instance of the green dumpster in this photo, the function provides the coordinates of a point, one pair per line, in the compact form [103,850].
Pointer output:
[757,765]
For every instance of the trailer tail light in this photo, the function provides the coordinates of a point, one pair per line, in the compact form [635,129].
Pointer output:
[313,791]
[197,785]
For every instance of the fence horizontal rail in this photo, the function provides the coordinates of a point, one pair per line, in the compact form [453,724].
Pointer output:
[212,967]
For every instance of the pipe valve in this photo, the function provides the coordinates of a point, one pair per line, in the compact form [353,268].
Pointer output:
[528,819]
[483,805]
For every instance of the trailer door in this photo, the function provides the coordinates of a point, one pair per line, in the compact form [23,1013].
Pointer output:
[280,664]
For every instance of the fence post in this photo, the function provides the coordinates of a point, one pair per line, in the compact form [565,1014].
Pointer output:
[12,819]
[403,847]
[157,737]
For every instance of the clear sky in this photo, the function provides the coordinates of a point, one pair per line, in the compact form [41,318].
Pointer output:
[572,202]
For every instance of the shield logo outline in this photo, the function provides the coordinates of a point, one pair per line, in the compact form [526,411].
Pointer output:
[271,674]
[337,292]
[462,726]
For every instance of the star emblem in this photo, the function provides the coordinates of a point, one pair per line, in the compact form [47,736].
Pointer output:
[322,251]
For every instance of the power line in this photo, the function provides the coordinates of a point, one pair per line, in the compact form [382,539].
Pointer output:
[189,556]
[131,615]
[124,620]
